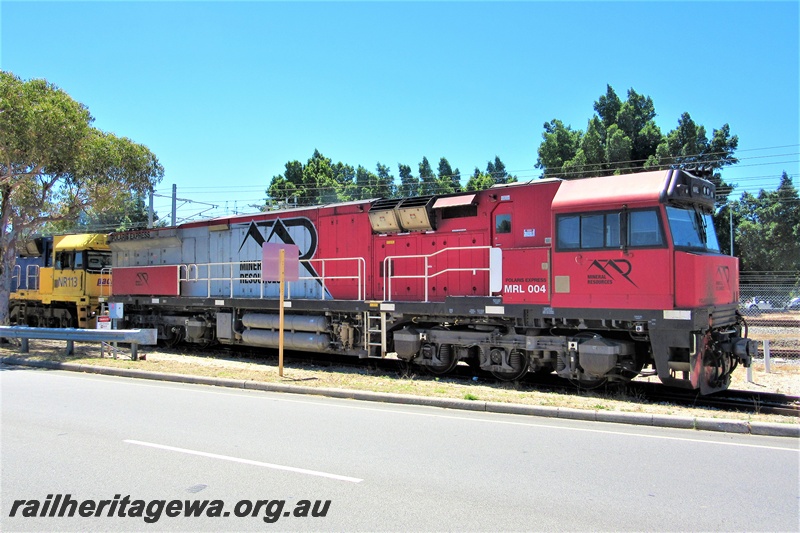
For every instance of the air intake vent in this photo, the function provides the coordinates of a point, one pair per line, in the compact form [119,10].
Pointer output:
[383,217]
[402,214]
[416,213]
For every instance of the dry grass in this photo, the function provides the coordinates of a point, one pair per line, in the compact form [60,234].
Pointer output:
[784,378]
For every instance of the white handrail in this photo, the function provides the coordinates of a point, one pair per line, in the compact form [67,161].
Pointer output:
[202,272]
[388,262]
[31,277]
[188,270]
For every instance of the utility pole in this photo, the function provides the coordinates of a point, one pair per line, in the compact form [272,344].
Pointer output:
[150,210]
[174,203]
[730,216]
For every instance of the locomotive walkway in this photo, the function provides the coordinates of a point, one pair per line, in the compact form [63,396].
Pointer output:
[642,419]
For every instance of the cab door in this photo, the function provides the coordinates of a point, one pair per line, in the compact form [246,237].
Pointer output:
[68,274]
[502,225]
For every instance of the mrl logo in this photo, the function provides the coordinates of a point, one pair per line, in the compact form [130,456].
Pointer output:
[723,278]
[141,279]
[602,271]
[299,231]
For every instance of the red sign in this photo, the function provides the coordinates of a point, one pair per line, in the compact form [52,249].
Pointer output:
[146,281]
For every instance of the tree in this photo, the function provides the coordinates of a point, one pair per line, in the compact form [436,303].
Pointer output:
[560,146]
[497,170]
[427,179]
[128,212]
[623,137]
[321,181]
[367,184]
[287,187]
[385,187]
[479,181]
[344,178]
[449,180]
[54,165]
[319,184]
[774,218]
[409,184]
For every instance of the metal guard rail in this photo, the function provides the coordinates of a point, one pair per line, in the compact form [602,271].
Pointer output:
[135,337]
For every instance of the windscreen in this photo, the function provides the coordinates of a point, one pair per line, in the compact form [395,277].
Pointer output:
[692,229]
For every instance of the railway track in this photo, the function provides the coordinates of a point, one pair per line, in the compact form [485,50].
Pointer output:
[730,400]
[775,321]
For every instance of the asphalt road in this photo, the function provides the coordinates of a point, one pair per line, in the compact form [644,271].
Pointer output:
[382,467]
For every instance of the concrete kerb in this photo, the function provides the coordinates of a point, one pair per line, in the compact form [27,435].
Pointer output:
[643,419]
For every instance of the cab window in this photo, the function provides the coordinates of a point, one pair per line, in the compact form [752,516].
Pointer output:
[588,231]
[606,231]
[63,260]
[502,224]
[96,261]
[643,229]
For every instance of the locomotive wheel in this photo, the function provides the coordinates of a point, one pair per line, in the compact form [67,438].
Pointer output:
[449,361]
[519,364]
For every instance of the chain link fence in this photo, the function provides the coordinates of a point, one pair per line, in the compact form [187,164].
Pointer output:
[770,302]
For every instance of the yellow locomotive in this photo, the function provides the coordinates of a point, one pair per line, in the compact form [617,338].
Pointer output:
[61,287]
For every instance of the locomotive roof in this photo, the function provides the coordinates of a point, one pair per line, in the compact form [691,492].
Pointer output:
[83,241]
[614,191]
[535,181]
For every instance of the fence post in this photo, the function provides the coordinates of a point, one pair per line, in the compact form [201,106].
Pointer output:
[766,356]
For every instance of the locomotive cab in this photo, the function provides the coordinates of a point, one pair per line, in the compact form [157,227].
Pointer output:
[643,253]
[64,287]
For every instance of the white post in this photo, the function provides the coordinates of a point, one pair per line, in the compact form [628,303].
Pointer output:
[766,357]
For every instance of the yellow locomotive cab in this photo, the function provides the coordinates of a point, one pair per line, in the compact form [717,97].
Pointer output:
[65,290]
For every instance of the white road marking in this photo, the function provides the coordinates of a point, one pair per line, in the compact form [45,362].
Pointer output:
[246,461]
[270,395]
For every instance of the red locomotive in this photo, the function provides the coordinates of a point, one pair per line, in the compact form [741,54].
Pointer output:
[596,279]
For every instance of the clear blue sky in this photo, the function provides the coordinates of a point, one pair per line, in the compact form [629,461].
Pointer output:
[226,93]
